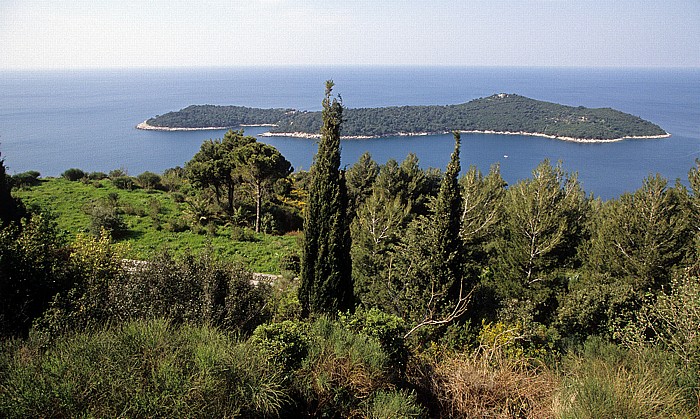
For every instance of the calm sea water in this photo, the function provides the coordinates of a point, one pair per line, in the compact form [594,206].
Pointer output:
[51,121]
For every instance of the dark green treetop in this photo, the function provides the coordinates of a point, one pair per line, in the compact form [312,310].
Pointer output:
[214,166]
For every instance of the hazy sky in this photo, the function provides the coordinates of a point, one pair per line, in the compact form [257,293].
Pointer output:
[155,33]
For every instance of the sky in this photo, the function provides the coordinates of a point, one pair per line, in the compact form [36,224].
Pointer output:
[50,34]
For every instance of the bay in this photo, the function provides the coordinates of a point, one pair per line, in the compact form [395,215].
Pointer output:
[54,120]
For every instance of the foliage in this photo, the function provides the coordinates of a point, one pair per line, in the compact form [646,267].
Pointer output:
[395,404]
[542,228]
[388,329]
[194,289]
[342,370]
[215,167]
[142,369]
[73,174]
[35,266]
[149,180]
[11,209]
[261,165]
[124,182]
[204,116]
[87,303]
[433,290]
[104,215]
[360,178]
[482,215]
[642,236]
[286,343]
[25,179]
[606,381]
[326,273]
[596,305]
[672,321]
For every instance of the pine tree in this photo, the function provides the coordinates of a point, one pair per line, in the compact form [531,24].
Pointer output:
[434,291]
[326,272]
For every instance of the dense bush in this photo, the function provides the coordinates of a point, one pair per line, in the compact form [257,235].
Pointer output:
[124,182]
[149,180]
[73,174]
[195,289]
[97,176]
[26,179]
[104,215]
[34,261]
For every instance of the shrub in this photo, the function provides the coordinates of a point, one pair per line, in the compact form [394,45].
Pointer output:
[104,216]
[118,173]
[172,178]
[97,175]
[242,234]
[388,329]
[342,371]
[177,225]
[608,381]
[178,198]
[33,268]
[286,299]
[291,263]
[26,179]
[194,289]
[286,343]
[395,404]
[73,174]
[124,182]
[96,264]
[149,180]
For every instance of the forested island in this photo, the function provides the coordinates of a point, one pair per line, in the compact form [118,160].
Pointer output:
[500,113]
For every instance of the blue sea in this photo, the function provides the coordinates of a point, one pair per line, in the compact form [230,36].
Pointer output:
[54,120]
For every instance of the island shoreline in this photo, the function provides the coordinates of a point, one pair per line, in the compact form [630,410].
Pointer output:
[410,134]
[145,126]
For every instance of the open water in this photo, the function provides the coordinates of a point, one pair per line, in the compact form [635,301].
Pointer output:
[52,121]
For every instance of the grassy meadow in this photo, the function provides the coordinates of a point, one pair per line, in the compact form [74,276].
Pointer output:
[153,218]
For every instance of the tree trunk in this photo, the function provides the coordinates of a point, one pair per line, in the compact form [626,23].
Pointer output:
[258,204]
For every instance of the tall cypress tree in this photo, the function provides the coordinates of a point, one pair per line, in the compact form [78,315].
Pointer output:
[326,272]
[446,243]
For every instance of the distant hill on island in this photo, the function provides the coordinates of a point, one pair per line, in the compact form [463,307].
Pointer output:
[500,113]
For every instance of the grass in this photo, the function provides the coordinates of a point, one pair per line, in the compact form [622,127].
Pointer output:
[608,381]
[146,236]
[141,369]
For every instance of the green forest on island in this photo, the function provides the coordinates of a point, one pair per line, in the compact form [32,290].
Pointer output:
[398,291]
[501,112]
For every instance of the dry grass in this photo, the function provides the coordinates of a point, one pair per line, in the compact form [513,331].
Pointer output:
[488,385]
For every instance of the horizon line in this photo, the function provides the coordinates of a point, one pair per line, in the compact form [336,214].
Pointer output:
[348,66]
